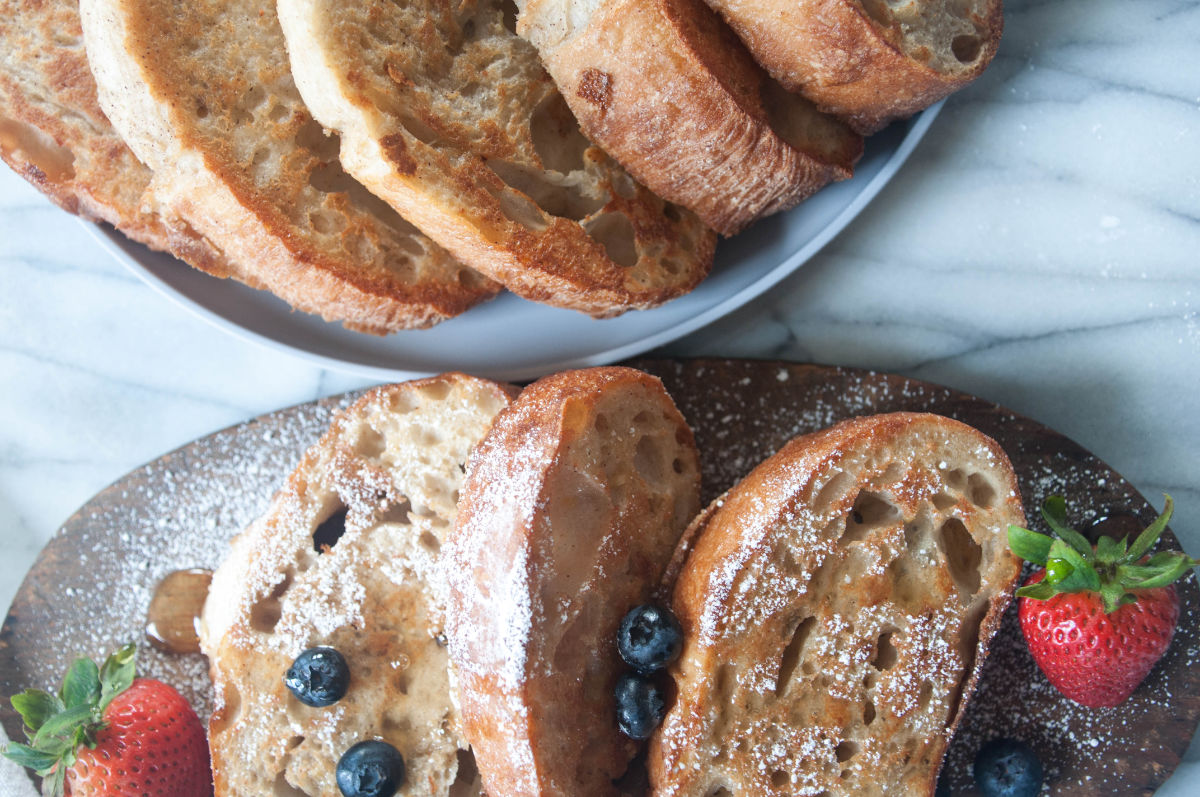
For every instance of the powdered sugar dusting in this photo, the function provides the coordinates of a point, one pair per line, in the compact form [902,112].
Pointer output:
[1146,735]
[181,511]
[175,513]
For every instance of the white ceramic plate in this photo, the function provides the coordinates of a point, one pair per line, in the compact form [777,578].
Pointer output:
[510,338]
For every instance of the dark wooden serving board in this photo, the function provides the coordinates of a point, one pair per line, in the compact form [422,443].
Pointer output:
[89,588]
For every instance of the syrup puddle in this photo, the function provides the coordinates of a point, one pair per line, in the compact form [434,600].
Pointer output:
[173,619]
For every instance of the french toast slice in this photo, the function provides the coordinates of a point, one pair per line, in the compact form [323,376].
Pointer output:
[837,605]
[53,133]
[449,116]
[669,91]
[201,92]
[346,556]
[571,508]
[869,61]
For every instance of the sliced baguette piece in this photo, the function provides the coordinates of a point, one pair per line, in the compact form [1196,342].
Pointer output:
[837,605]
[571,508]
[53,133]
[869,61]
[449,116]
[202,94]
[668,90]
[346,556]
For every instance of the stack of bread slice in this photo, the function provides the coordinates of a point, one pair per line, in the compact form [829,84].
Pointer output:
[202,94]
[465,168]
[669,90]
[450,117]
[836,604]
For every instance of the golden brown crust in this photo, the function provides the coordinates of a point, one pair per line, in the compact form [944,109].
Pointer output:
[671,93]
[570,510]
[53,133]
[208,103]
[449,117]
[863,61]
[837,605]
[386,475]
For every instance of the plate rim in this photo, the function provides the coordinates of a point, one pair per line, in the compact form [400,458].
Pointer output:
[110,240]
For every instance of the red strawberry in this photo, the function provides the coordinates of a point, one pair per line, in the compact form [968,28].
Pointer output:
[1094,658]
[105,734]
[1097,619]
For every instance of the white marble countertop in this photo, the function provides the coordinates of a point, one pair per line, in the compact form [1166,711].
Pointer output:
[1041,249]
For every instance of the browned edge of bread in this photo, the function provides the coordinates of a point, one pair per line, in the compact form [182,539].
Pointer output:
[571,508]
[848,56]
[669,91]
[53,133]
[837,606]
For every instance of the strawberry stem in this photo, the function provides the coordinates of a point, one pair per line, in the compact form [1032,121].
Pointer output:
[1112,568]
[56,725]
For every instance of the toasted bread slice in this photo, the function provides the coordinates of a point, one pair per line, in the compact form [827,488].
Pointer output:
[869,61]
[346,556]
[53,133]
[837,605]
[202,94]
[668,90]
[569,514]
[449,116]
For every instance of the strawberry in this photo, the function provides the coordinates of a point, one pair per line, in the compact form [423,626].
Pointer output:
[106,734]
[1097,618]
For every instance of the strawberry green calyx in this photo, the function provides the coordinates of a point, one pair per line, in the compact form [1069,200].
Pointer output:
[56,725]
[1112,568]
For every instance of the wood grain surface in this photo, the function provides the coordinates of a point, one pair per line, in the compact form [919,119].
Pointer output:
[90,587]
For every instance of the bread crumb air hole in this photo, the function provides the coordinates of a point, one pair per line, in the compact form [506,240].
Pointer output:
[330,531]
[944,501]
[281,788]
[557,140]
[870,512]
[831,490]
[614,232]
[966,48]
[963,555]
[266,613]
[845,751]
[980,491]
[648,461]
[791,654]
[886,655]
[466,780]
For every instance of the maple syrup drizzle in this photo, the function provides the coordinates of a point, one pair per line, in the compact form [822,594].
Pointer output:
[173,619]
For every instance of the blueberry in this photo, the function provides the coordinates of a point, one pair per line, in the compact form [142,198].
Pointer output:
[318,677]
[640,705]
[649,638]
[1008,768]
[370,769]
